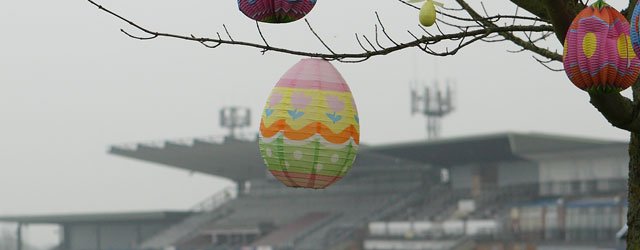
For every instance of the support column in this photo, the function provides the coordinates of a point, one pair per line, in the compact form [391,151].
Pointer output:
[19,237]
[138,234]
[98,237]
[66,236]
[241,187]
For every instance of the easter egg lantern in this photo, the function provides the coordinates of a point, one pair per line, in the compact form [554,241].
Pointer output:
[635,29]
[598,55]
[276,11]
[309,132]
[427,15]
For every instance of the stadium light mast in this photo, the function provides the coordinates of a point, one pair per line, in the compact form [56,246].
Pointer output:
[233,118]
[434,104]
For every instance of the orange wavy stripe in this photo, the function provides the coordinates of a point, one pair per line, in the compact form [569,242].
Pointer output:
[310,130]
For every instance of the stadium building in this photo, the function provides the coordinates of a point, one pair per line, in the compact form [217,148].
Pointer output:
[500,191]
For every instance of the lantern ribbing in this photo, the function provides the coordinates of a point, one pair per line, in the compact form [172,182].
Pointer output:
[309,132]
[598,56]
[276,11]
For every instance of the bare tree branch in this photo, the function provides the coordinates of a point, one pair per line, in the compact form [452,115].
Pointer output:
[261,35]
[138,37]
[629,10]
[562,13]
[384,30]
[477,34]
[208,45]
[546,64]
[489,18]
[618,110]
[534,7]
[227,31]
[509,36]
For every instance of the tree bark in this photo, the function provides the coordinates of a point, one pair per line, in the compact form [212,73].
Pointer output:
[633,233]
[618,110]
[534,6]
[561,13]
[633,222]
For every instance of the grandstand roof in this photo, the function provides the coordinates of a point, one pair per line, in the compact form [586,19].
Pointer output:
[240,159]
[97,217]
[232,158]
[490,148]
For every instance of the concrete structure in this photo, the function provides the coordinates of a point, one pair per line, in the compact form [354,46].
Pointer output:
[557,165]
[491,199]
[105,231]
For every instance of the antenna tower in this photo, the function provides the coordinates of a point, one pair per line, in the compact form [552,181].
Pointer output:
[434,104]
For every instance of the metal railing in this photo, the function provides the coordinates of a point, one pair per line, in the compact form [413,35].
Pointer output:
[339,189]
[216,200]
[317,226]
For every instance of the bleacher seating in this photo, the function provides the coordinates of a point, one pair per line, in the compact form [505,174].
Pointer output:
[309,219]
[289,231]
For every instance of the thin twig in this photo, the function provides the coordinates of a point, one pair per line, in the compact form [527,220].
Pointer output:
[261,35]
[546,64]
[319,38]
[384,31]
[227,31]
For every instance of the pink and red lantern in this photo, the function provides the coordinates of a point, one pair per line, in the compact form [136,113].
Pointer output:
[598,55]
[276,11]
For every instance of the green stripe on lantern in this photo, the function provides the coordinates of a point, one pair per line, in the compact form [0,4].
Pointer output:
[314,165]
[281,157]
[312,152]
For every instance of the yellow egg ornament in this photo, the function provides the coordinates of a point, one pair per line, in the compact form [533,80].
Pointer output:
[427,14]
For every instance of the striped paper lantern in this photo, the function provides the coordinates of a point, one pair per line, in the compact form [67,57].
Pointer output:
[276,11]
[598,55]
[309,132]
[635,29]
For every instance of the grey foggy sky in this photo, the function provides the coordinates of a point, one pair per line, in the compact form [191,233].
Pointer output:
[72,84]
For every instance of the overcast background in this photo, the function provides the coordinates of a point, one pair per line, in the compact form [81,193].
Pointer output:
[72,85]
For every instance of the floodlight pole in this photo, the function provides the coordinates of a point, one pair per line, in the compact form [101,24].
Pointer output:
[234,118]
[433,104]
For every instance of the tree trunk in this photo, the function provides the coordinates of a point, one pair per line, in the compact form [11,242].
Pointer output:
[633,233]
[633,222]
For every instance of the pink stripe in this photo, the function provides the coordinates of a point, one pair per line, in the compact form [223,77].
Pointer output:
[314,74]
[317,85]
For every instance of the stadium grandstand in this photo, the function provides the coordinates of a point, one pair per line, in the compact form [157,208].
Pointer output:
[500,191]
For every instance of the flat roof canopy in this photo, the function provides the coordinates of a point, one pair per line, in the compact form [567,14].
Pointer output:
[234,159]
[490,148]
[240,159]
[237,159]
[97,217]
